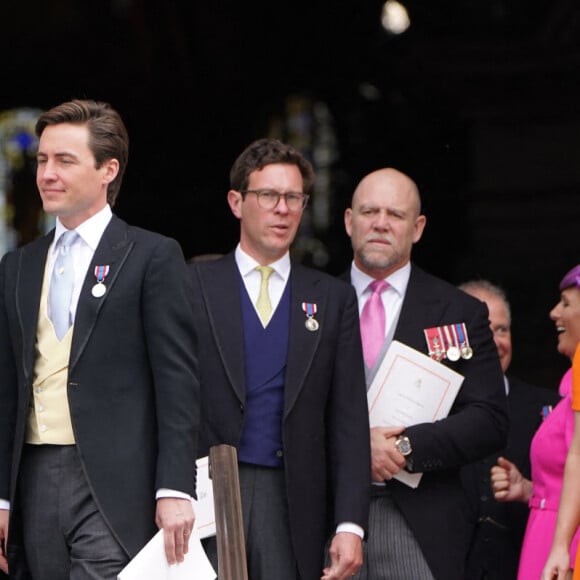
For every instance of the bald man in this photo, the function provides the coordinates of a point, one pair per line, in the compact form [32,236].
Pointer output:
[420,534]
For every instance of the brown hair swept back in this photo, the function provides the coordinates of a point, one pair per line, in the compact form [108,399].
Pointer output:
[108,137]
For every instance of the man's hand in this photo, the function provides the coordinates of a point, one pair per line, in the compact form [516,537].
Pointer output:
[385,458]
[176,517]
[346,556]
[4,516]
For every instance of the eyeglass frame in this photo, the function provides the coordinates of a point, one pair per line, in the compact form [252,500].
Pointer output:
[259,192]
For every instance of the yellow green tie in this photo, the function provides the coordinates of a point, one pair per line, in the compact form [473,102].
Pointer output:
[263,305]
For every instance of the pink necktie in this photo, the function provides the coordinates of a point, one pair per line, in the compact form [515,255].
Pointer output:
[373,322]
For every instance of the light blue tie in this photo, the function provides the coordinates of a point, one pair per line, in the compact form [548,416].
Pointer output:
[61,285]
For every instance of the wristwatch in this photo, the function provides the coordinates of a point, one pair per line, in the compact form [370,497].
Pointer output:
[403,445]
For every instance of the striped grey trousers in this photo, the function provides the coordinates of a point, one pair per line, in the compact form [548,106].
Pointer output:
[391,551]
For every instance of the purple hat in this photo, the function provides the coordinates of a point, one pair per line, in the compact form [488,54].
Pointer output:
[572,278]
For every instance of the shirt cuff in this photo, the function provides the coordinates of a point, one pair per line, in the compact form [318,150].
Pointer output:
[352,528]
[4,504]
[164,492]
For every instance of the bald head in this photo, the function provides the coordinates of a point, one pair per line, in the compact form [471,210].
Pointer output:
[389,179]
[384,221]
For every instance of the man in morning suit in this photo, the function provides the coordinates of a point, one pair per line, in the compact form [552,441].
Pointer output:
[420,533]
[99,397]
[282,379]
[498,527]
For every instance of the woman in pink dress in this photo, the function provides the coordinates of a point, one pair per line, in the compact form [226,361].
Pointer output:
[548,450]
[559,562]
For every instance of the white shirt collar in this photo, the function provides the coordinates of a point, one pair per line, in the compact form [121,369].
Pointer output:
[90,230]
[398,280]
[247,264]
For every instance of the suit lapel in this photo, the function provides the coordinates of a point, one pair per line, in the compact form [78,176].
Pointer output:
[28,290]
[419,310]
[306,286]
[112,251]
[220,285]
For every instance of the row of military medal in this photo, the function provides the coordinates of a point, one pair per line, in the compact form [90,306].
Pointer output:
[448,341]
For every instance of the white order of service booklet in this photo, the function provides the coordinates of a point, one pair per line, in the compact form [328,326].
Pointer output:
[410,388]
[151,564]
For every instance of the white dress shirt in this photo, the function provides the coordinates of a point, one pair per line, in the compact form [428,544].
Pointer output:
[82,250]
[252,278]
[392,297]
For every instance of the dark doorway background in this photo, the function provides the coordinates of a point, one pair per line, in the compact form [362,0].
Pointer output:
[478,101]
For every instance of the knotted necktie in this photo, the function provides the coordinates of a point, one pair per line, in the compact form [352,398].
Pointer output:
[263,305]
[373,322]
[61,285]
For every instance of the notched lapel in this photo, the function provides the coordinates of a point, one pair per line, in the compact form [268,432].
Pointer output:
[418,308]
[112,251]
[29,279]
[220,285]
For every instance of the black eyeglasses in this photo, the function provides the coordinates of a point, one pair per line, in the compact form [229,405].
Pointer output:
[270,198]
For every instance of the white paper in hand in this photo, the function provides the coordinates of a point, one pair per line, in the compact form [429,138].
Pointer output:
[411,388]
[151,564]
[203,507]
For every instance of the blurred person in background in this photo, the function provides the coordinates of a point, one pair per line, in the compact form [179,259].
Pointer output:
[498,527]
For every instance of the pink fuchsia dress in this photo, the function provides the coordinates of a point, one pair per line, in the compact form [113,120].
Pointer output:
[548,455]
[576,407]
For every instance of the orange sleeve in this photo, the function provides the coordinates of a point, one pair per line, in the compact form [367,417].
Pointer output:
[576,380]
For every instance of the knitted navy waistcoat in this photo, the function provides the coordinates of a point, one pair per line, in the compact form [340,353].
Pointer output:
[265,355]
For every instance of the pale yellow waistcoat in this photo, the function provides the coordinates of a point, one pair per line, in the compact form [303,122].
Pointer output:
[49,415]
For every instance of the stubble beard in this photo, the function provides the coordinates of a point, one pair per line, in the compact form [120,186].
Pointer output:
[375,261]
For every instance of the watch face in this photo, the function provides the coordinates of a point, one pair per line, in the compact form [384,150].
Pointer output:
[403,445]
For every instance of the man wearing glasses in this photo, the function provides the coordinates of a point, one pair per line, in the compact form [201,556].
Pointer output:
[282,379]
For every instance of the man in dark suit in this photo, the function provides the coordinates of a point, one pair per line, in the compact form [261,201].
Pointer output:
[284,383]
[99,397]
[498,528]
[420,534]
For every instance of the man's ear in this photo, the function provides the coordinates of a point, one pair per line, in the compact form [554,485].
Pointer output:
[111,170]
[235,201]
[420,224]
[347,220]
